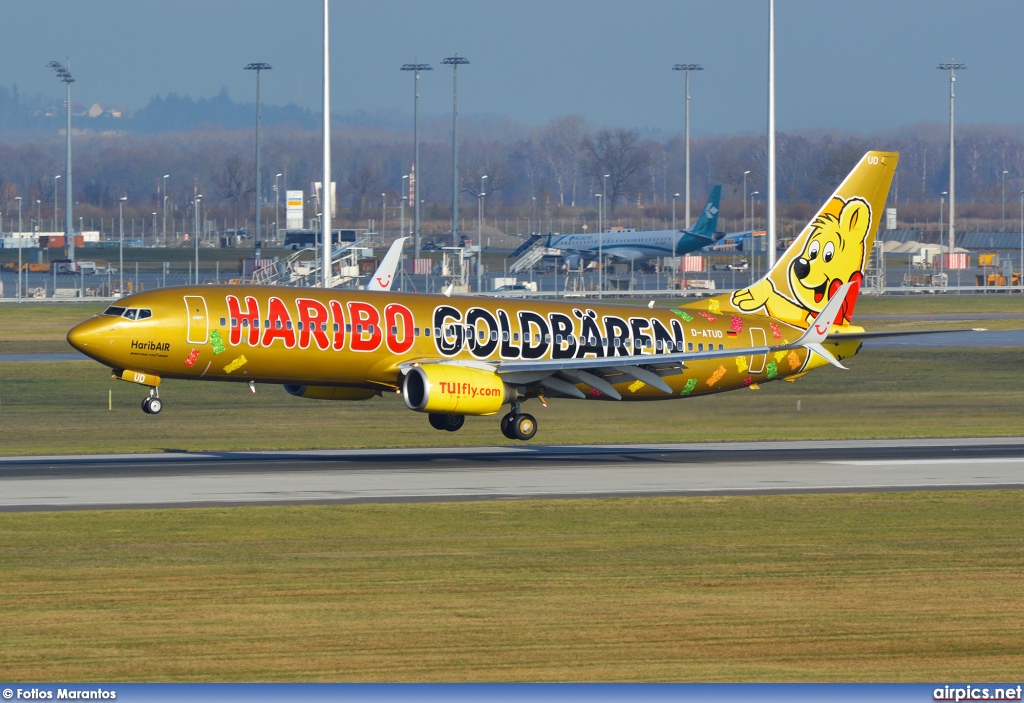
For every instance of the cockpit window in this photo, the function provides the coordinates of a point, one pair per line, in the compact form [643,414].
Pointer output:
[144,313]
[114,310]
[130,313]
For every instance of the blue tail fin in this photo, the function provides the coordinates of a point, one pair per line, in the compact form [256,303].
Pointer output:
[708,221]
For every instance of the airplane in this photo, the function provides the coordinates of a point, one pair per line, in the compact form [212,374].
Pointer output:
[449,357]
[640,246]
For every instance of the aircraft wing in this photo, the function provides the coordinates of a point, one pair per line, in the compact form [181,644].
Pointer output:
[384,276]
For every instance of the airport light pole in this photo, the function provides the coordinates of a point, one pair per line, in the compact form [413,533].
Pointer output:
[942,207]
[258,67]
[745,174]
[163,183]
[1003,227]
[55,202]
[770,213]
[383,214]
[277,207]
[18,199]
[753,225]
[63,71]
[674,196]
[480,233]
[455,62]
[327,238]
[604,199]
[600,245]
[198,202]
[952,68]
[120,246]
[416,68]
[687,67]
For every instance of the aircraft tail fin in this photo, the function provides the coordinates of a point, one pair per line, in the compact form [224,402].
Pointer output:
[708,221]
[384,276]
[832,250]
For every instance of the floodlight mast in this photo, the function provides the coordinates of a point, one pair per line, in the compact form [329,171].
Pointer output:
[455,62]
[687,67]
[326,260]
[63,71]
[952,67]
[258,67]
[416,68]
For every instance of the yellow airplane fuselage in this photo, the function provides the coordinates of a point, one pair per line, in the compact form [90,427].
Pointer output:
[359,339]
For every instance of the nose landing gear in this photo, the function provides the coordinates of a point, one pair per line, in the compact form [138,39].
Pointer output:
[152,405]
[518,425]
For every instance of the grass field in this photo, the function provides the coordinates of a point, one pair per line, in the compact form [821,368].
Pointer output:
[869,587]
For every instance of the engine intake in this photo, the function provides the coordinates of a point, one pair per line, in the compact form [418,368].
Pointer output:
[455,390]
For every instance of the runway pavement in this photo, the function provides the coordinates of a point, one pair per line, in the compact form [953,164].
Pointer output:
[527,471]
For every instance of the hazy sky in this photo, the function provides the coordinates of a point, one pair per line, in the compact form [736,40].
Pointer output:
[858,65]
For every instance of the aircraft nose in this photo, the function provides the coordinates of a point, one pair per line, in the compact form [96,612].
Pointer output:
[88,334]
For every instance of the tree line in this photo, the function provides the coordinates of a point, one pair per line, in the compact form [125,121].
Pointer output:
[532,171]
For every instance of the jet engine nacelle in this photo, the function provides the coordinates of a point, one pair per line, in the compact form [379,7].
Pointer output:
[454,390]
[329,392]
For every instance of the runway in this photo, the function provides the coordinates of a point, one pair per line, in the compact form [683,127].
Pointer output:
[488,473]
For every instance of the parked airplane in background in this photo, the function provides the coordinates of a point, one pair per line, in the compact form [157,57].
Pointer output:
[640,246]
[455,356]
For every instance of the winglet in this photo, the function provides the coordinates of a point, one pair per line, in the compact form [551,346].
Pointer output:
[384,276]
[818,330]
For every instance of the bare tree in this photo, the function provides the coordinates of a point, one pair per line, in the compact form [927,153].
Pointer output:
[235,181]
[617,154]
[361,185]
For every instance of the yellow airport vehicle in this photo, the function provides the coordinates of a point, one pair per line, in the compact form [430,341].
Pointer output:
[455,356]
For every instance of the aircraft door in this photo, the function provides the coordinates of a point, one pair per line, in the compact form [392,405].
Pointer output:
[757,339]
[198,326]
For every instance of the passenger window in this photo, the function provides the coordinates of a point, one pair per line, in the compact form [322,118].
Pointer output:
[415,331]
[323,326]
[245,322]
[394,328]
[700,347]
[256,324]
[504,336]
[437,331]
[337,327]
[359,328]
[223,322]
[547,339]
[482,334]
[558,339]
[617,342]
[299,324]
[426,331]
[721,347]
[689,346]
[369,329]
[234,322]
[288,325]
[494,335]
[515,336]
[348,327]
[277,324]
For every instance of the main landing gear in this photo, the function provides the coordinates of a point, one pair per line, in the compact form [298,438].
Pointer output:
[518,425]
[451,423]
[152,405]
